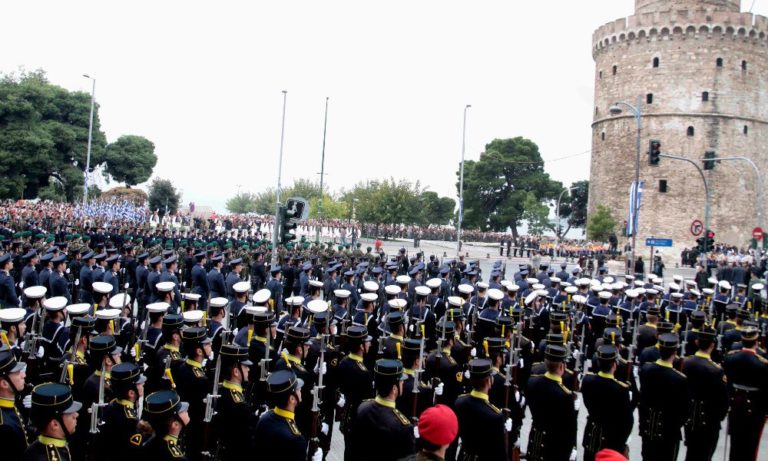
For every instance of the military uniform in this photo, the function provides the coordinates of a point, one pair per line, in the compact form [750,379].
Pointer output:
[747,374]
[481,424]
[709,405]
[159,407]
[232,422]
[277,436]
[166,448]
[380,432]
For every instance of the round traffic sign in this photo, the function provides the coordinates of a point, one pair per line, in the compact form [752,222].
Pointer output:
[697,227]
[757,233]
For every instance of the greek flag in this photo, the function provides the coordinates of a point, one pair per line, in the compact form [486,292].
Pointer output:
[634,215]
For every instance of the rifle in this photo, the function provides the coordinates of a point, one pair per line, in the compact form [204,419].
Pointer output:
[417,377]
[264,362]
[633,347]
[685,339]
[68,367]
[210,411]
[509,383]
[32,341]
[100,404]
[317,391]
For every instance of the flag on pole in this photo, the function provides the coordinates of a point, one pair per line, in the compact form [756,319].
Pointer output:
[634,215]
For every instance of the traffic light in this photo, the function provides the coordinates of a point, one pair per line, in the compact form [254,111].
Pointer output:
[709,164]
[700,242]
[654,151]
[710,240]
[286,224]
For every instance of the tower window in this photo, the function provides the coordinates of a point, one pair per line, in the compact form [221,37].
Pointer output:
[649,98]
[596,111]
[746,129]
[602,135]
[705,96]
[600,74]
[690,131]
[615,69]
[655,62]
[743,65]
[663,186]
[719,62]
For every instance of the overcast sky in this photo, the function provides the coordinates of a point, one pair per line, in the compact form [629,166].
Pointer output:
[203,81]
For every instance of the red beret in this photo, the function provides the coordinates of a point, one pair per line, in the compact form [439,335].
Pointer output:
[438,425]
[607,454]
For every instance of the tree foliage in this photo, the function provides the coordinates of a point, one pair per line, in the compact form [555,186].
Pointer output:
[131,159]
[386,202]
[435,209]
[573,208]
[601,224]
[241,203]
[44,138]
[535,214]
[496,186]
[163,196]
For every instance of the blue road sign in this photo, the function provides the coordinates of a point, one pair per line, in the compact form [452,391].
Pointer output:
[654,242]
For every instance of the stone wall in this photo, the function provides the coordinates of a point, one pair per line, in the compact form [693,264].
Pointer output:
[676,56]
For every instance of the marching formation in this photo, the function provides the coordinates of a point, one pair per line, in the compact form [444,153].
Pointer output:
[123,355]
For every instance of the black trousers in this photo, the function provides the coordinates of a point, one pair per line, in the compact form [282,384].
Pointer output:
[660,449]
[701,444]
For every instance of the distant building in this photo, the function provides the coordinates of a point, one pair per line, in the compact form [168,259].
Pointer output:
[701,73]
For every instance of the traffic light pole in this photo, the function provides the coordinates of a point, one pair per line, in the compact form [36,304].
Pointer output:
[275,229]
[706,193]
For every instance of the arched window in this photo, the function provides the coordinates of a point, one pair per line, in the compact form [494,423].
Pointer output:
[719,62]
[743,65]
[705,96]
[649,98]
[655,62]
[690,131]
[615,69]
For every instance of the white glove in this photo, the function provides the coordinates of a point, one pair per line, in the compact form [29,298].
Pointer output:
[318,456]
[522,362]
[77,282]
[410,328]
[416,431]
[576,354]
[635,372]
[27,401]
[133,352]
[520,399]
[67,271]
[508,425]
[321,371]
[341,402]
[571,458]
[466,374]
[576,404]
[439,389]
[629,440]
[630,396]
[324,428]
[40,352]
[473,352]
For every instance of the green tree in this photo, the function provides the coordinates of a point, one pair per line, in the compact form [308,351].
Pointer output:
[244,202]
[332,208]
[573,208]
[435,209]
[496,186]
[44,140]
[163,196]
[535,214]
[386,202]
[601,224]
[130,159]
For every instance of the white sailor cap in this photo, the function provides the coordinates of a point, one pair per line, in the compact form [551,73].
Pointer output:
[397,303]
[295,300]
[512,287]
[571,290]
[639,283]
[316,283]
[56,303]
[192,316]
[102,287]
[608,279]
[191,296]
[604,295]
[369,297]
[531,297]
[758,287]
[164,287]
[108,314]
[674,286]
[241,287]
[421,290]
[495,294]
[631,293]
[12,315]
[370,285]
[36,292]
[640,291]
[78,309]
[651,291]
[712,280]
[694,291]
[617,286]
[690,282]
[607,286]
[218,301]
[466,288]
[403,279]
[434,282]
[582,282]
[708,291]
[156,308]
[392,289]
[456,301]
[251,310]
[482,286]
[724,285]
[341,293]
[677,278]
[262,296]
[120,301]
[532,280]
[677,295]
[555,279]
[579,299]
[538,286]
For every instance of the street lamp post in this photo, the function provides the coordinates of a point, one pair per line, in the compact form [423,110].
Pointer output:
[279,184]
[461,180]
[615,110]
[90,139]
[322,176]
[557,213]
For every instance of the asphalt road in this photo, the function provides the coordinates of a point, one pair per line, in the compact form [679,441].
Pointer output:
[487,255]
